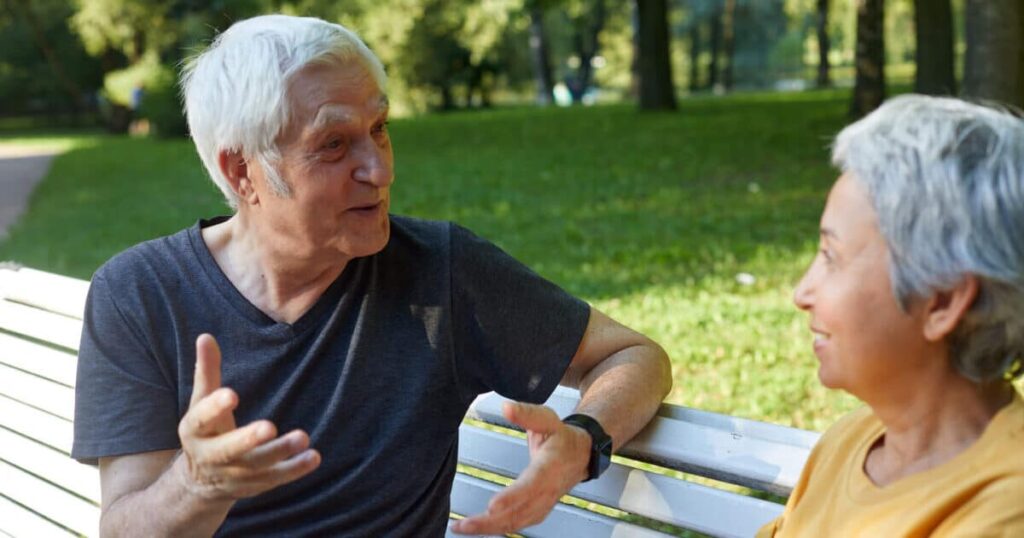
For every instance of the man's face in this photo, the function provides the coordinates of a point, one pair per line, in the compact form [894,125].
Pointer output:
[337,162]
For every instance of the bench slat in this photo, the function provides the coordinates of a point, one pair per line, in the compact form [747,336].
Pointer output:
[40,324]
[470,496]
[51,465]
[722,454]
[17,522]
[50,430]
[666,499]
[49,291]
[43,361]
[37,392]
[52,502]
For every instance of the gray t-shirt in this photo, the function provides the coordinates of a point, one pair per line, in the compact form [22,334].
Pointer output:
[379,372]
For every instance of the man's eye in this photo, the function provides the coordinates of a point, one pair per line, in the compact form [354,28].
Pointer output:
[334,143]
[380,127]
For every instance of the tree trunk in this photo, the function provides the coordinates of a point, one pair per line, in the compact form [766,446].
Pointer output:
[728,42]
[655,66]
[634,64]
[933,20]
[586,41]
[695,57]
[869,88]
[541,58]
[824,45]
[716,46]
[994,63]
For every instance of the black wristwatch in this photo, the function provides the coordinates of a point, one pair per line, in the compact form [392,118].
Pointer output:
[600,444]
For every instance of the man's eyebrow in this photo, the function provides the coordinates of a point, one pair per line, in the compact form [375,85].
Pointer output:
[328,116]
[828,232]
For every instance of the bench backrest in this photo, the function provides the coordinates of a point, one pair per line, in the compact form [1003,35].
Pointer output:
[43,492]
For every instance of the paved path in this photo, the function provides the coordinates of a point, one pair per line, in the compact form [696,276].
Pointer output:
[21,168]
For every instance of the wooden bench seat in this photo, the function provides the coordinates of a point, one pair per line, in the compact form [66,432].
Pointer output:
[43,492]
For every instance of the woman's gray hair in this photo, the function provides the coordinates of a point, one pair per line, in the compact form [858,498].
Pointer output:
[235,91]
[946,179]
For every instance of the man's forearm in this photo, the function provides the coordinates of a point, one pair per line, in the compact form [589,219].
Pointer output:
[167,507]
[624,391]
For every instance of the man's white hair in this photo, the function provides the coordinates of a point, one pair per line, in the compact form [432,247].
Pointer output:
[235,91]
[946,179]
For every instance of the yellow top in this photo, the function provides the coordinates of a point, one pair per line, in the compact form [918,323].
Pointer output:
[980,492]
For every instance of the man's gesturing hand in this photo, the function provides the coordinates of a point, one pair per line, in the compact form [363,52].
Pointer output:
[558,461]
[225,462]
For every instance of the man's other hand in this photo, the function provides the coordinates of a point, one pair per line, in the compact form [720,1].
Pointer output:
[225,462]
[559,455]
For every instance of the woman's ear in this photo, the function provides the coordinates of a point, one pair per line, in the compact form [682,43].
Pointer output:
[236,169]
[945,309]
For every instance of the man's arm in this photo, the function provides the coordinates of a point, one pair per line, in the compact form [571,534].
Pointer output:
[189,492]
[623,376]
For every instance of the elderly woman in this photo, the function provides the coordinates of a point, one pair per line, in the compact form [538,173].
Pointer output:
[916,302]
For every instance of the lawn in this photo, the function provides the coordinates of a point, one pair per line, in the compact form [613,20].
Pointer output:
[650,217]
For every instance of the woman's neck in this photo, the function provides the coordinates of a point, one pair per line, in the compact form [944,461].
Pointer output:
[931,423]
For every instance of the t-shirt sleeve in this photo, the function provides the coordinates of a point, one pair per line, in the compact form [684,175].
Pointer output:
[513,331]
[124,401]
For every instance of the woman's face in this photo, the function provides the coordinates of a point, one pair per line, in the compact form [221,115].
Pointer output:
[865,343]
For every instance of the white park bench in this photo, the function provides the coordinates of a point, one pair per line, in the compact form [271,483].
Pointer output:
[43,492]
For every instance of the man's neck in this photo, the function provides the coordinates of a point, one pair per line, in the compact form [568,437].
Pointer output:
[281,286]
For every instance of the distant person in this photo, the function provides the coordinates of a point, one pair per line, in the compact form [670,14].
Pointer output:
[349,341]
[136,97]
[916,303]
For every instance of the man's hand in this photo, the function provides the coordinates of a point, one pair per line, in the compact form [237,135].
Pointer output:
[225,462]
[558,461]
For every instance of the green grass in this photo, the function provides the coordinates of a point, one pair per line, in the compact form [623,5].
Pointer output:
[650,217]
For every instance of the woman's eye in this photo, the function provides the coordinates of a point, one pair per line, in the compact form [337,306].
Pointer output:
[380,127]
[333,144]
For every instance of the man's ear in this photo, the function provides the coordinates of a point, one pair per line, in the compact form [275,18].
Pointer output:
[236,169]
[945,309]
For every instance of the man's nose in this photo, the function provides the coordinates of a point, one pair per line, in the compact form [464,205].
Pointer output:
[374,165]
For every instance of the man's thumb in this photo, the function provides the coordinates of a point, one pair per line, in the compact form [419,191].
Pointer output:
[207,375]
[534,418]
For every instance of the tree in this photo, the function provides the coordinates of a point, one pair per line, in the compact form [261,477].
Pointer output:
[25,11]
[695,51]
[654,64]
[728,43]
[994,62]
[933,20]
[540,54]
[824,44]
[716,45]
[869,87]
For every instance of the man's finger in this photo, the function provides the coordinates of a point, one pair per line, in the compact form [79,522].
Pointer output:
[503,521]
[210,416]
[277,450]
[231,446]
[207,375]
[282,472]
[536,418]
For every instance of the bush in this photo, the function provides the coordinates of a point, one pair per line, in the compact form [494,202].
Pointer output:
[161,105]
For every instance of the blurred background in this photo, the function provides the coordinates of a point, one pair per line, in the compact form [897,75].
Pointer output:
[666,160]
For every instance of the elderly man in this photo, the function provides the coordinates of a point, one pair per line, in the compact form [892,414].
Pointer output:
[349,342]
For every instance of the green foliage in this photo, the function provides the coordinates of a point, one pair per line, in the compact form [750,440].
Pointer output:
[162,106]
[27,82]
[650,217]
